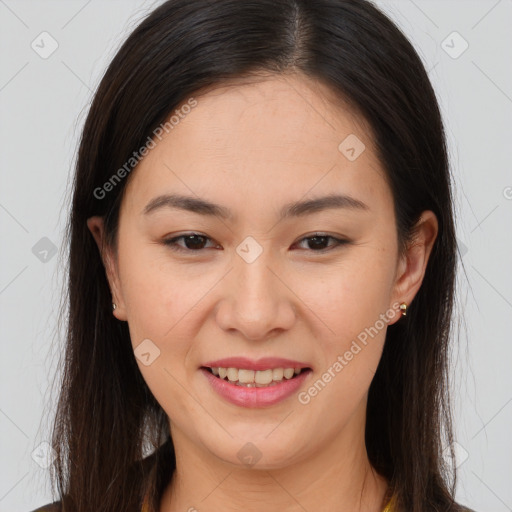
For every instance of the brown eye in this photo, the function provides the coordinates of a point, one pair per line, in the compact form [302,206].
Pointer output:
[193,242]
[320,242]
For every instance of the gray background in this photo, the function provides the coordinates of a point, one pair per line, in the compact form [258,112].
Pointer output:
[43,102]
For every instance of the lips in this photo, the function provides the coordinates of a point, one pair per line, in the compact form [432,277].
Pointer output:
[256,397]
[262,392]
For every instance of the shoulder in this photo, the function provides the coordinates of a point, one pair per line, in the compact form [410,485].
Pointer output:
[51,507]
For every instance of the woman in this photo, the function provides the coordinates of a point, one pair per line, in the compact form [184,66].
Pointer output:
[262,268]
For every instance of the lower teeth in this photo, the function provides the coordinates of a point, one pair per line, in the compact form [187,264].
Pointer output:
[253,384]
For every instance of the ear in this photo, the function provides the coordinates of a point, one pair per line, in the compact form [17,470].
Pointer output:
[412,265]
[96,227]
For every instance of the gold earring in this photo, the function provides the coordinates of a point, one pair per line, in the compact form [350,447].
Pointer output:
[113,306]
[403,308]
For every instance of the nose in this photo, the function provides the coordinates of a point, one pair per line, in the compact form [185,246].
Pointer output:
[257,302]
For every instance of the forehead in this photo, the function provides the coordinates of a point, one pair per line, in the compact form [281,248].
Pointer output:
[261,140]
[303,112]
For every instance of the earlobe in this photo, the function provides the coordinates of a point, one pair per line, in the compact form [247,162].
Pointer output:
[413,263]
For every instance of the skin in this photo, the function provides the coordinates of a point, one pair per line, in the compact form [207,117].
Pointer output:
[253,147]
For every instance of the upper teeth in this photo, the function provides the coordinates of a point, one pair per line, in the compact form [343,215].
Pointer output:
[258,377]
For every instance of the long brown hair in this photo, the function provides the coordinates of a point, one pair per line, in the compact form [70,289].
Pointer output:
[107,420]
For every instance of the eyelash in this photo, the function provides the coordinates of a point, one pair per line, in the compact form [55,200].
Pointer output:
[171,242]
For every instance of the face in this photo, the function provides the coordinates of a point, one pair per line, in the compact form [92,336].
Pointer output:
[315,285]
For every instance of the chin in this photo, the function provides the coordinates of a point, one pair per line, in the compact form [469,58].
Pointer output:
[260,453]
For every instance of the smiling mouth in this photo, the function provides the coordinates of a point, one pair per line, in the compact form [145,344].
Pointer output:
[255,379]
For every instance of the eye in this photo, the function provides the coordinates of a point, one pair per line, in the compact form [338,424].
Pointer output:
[317,242]
[195,242]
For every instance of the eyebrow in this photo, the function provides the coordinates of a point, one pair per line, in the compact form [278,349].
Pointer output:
[295,209]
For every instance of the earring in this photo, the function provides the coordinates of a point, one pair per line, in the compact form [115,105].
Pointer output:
[403,308]
[113,306]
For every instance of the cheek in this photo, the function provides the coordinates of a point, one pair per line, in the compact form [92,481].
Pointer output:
[350,294]
[352,308]
[155,297]
[352,302]
[159,307]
